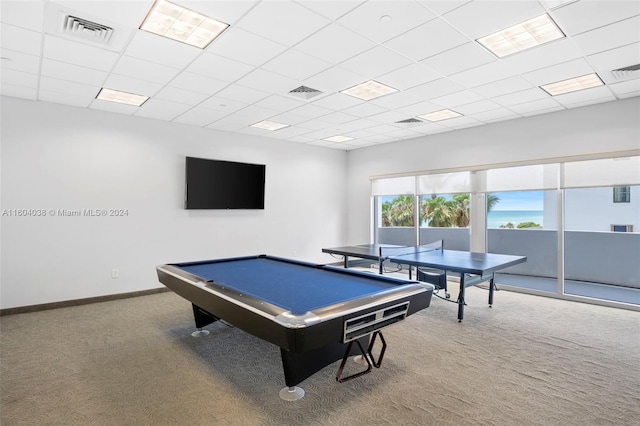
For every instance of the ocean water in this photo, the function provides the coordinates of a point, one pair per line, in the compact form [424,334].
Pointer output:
[502,217]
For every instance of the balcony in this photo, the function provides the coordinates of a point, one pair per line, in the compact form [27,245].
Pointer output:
[598,266]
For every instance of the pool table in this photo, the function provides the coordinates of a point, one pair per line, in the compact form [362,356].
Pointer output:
[314,313]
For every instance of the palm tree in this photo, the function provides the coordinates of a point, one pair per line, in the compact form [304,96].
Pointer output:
[492,200]
[398,212]
[461,210]
[401,211]
[438,211]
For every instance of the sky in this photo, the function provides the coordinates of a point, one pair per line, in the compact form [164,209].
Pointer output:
[521,200]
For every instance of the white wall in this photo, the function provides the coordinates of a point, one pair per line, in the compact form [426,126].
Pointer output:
[59,157]
[601,128]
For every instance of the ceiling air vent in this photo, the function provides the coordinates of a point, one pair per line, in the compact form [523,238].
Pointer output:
[625,72]
[305,92]
[79,27]
[409,121]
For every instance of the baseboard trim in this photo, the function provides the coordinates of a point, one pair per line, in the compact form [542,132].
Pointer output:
[77,302]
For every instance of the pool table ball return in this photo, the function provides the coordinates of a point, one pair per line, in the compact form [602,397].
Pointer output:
[316,314]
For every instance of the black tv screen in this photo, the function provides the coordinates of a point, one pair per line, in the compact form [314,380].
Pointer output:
[217,184]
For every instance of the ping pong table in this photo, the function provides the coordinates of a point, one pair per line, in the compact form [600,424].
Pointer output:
[473,268]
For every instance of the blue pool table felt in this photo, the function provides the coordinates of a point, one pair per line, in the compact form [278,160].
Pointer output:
[294,287]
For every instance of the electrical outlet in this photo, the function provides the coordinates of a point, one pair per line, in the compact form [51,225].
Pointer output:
[115,273]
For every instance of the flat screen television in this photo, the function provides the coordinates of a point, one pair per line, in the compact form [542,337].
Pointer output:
[217,184]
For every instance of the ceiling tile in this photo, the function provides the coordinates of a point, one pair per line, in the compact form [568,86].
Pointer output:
[78,54]
[75,73]
[222,105]
[296,65]
[19,61]
[578,17]
[219,67]
[138,68]
[18,78]
[605,62]
[199,117]
[128,13]
[365,109]
[541,106]
[20,39]
[494,115]
[245,47]
[521,97]
[334,44]
[410,76]
[131,85]
[388,117]
[161,109]
[242,94]
[397,100]
[65,98]
[418,44]
[334,79]
[437,88]
[18,91]
[459,98]
[330,9]
[175,94]
[609,37]
[337,101]
[487,73]
[419,108]
[290,118]
[279,103]
[477,107]
[57,85]
[25,14]
[283,22]
[311,111]
[338,118]
[495,16]
[440,7]
[524,96]
[375,62]
[626,88]
[405,15]
[225,126]
[555,52]
[268,81]
[449,62]
[585,97]
[502,87]
[161,50]
[198,83]
[570,69]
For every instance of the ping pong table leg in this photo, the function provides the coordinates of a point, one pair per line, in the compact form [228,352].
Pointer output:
[461,298]
[492,287]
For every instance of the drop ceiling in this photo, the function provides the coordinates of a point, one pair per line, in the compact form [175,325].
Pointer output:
[426,50]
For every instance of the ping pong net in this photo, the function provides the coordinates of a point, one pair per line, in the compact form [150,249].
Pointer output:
[433,276]
[391,251]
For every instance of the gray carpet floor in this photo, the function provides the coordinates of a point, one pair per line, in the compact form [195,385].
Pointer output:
[527,361]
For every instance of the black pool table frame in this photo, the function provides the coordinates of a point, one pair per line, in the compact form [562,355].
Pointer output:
[310,341]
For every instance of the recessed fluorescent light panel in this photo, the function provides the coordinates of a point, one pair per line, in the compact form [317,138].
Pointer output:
[338,139]
[121,97]
[269,125]
[528,34]
[369,90]
[572,84]
[181,24]
[443,114]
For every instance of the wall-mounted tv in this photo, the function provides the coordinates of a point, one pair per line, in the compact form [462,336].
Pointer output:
[217,184]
